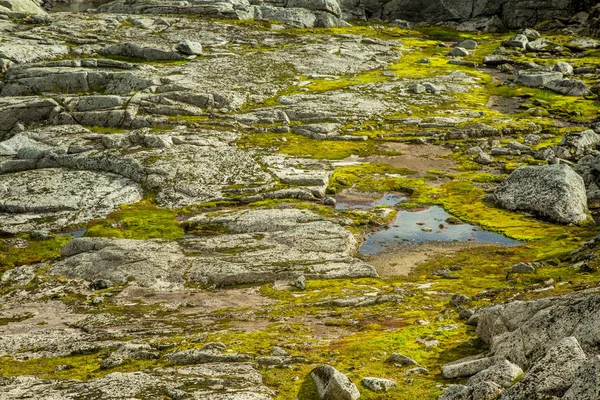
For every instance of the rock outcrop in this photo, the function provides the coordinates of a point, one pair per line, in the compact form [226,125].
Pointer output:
[555,341]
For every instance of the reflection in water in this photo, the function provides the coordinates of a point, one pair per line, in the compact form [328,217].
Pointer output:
[355,203]
[429,226]
[422,226]
[76,234]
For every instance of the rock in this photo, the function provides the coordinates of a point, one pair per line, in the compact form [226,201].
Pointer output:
[523,268]
[568,87]
[134,50]
[495,60]
[378,384]
[554,373]
[300,282]
[518,41]
[486,391]
[330,6]
[575,145]
[466,367]
[329,201]
[586,384]
[397,358]
[189,47]
[417,371]
[484,158]
[531,34]
[459,300]
[537,78]
[584,43]
[280,352]
[417,88]
[333,385]
[21,7]
[503,373]
[523,332]
[540,45]
[467,44]
[431,88]
[564,68]
[457,392]
[458,52]
[554,191]
[43,198]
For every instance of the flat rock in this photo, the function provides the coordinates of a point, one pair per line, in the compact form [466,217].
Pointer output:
[57,198]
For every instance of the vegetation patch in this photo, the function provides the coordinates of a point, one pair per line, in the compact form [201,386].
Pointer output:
[142,220]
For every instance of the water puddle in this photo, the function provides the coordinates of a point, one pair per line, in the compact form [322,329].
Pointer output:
[422,226]
[75,234]
[351,202]
[77,6]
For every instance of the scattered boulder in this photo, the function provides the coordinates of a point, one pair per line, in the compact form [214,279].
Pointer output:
[397,358]
[568,87]
[333,385]
[553,191]
[518,41]
[537,78]
[378,384]
[189,47]
[458,52]
[564,68]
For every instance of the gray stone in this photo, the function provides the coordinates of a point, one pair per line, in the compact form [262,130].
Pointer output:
[189,47]
[397,358]
[484,158]
[333,385]
[22,7]
[378,384]
[458,52]
[466,367]
[586,384]
[495,60]
[458,300]
[537,78]
[502,373]
[417,88]
[553,374]
[134,50]
[554,191]
[518,41]
[564,68]
[468,44]
[568,87]
[417,371]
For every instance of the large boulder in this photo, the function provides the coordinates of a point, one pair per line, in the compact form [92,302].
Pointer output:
[333,385]
[555,192]
[553,375]
[23,7]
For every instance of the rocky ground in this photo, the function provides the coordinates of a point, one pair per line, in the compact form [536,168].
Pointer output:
[172,177]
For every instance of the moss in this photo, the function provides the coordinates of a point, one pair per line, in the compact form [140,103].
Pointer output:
[36,251]
[301,146]
[367,178]
[142,220]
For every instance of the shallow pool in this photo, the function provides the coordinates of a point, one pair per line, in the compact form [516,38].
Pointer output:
[410,227]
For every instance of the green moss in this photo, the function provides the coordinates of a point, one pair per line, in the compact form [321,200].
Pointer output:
[367,178]
[301,146]
[142,220]
[36,251]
